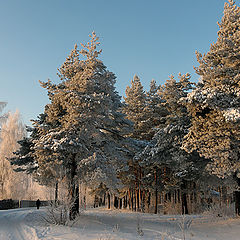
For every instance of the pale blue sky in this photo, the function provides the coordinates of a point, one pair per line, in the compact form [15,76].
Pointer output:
[151,38]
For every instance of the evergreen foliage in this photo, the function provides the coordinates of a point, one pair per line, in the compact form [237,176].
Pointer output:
[134,105]
[80,136]
[214,104]
[84,113]
[164,151]
[157,143]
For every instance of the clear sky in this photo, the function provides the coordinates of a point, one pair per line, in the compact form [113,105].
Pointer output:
[150,38]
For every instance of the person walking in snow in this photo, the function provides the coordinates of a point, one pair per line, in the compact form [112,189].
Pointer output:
[38,203]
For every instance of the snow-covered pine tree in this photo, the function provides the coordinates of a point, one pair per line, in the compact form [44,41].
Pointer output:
[154,110]
[144,109]
[86,127]
[215,103]
[31,160]
[166,164]
[133,107]
[135,102]
[23,158]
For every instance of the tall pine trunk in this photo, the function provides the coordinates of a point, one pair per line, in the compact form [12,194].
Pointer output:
[56,192]
[129,199]
[149,201]
[156,192]
[237,197]
[115,204]
[237,202]
[104,199]
[184,198]
[132,200]
[73,191]
[143,201]
[135,200]
[138,199]
[109,201]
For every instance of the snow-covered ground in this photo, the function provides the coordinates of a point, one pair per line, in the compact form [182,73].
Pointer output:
[100,224]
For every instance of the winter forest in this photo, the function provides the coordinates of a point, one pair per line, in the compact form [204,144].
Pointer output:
[172,149]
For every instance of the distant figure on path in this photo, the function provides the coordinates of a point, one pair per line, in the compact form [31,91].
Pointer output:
[38,203]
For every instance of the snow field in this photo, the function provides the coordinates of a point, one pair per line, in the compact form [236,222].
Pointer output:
[102,224]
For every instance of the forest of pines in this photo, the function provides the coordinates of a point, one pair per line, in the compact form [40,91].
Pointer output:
[174,148]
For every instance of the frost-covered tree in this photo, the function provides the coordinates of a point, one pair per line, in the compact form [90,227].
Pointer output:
[215,103]
[166,164]
[175,120]
[2,105]
[155,111]
[13,185]
[23,158]
[84,129]
[4,116]
[135,102]
[43,175]
[145,110]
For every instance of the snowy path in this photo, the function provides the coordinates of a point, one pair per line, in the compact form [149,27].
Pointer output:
[130,225]
[94,224]
[100,224]
[14,227]
[28,224]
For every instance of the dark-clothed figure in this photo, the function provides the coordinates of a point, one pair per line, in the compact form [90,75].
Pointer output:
[38,203]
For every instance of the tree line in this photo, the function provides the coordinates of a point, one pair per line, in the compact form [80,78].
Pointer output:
[173,146]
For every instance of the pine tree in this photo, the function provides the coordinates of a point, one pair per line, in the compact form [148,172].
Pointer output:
[134,105]
[144,109]
[154,111]
[32,161]
[215,103]
[84,128]
[166,164]
[23,158]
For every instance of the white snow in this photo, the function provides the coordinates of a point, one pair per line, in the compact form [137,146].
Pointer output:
[231,114]
[102,224]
